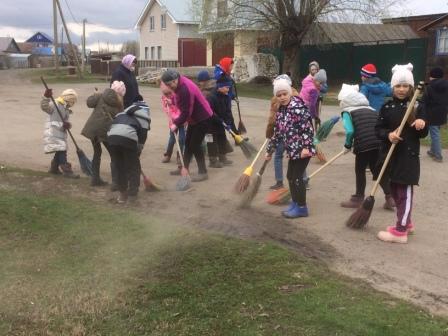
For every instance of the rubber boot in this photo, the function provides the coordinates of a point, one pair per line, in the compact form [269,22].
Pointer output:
[97,182]
[176,172]
[296,212]
[393,236]
[354,202]
[67,171]
[54,168]
[214,163]
[390,203]
[199,177]
[224,160]
[410,229]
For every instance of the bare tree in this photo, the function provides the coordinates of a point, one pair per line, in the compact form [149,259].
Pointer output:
[130,47]
[293,19]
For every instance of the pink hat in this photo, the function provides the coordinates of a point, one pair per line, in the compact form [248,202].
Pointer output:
[128,60]
[119,88]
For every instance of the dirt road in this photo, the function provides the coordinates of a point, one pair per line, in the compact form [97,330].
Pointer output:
[417,271]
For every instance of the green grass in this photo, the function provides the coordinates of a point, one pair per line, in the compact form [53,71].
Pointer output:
[71,268]
[443,137]
[52,76]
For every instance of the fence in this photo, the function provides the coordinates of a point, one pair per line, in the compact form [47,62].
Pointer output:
[158,64]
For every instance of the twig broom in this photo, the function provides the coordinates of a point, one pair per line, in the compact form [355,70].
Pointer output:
[244,180]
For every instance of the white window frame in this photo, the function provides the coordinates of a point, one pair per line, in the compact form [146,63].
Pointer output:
[163,21]
[152,23]
[442,41]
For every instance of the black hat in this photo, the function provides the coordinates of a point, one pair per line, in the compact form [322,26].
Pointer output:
[170,75]
[436,73]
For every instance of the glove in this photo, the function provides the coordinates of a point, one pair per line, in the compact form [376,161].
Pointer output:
[347,150]
[67,125]
[48,93]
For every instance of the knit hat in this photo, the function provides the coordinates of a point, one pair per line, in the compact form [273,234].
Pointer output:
[282,85]
[315,64]
[402,74]
[436,73]
[346,90]
[321,76]
[128,60]
[285,77]
[203,76]
[368,70]
[225,64]
[70,96]
[119,88]
[170,75]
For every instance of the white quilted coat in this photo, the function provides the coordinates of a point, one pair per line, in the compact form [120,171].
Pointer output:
[55,136]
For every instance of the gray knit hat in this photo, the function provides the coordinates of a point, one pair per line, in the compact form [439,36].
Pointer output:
[170,75]
[321,76]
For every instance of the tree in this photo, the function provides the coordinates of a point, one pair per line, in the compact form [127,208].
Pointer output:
[293,19]
[130,47]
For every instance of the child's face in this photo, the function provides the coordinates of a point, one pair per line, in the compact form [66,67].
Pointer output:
[224,90]
[401,91]
[283,97]
[313,70]
[317,84]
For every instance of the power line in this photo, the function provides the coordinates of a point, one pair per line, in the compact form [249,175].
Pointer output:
[71,13]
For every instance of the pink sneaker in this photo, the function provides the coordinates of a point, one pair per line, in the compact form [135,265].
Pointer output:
[393,236]
[411,228]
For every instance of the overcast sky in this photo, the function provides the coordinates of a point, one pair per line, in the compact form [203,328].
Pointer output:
[113,21]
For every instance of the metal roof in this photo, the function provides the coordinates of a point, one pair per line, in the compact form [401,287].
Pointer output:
[40,37]
[5,44]
[179,11]
[330,33]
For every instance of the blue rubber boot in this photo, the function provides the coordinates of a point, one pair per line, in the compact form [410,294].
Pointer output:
[291,206]
[297,211]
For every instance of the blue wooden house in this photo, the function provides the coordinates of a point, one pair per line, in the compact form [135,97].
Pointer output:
[41,40]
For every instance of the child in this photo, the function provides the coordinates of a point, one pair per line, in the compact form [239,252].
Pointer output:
[126,138]
[435,107]
[404,166]
[313,69]
[105,106]
[359,121]
[311,86]
[373,88]
[293,128]
[55,135]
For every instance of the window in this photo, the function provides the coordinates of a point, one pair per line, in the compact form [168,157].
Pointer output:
[153,52]
[152,23]
[146,53]
[163,21]
[442,42]
[222,8]
[159,52]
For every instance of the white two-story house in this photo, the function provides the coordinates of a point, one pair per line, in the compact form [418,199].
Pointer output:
[168,33]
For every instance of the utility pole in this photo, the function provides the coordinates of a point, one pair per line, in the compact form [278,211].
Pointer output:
[75,54]
[83,62]
[55,39]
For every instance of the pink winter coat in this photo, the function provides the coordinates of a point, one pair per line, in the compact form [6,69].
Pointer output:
[310,94]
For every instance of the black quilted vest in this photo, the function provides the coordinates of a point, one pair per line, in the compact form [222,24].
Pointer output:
[364,121]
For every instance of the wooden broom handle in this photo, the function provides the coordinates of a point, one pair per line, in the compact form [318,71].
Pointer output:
[400,129]
[329,162]
[181,155]
[263,167]
[259,153]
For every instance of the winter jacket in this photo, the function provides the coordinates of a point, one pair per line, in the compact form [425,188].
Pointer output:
[359,121]
[193,106]
[294,128]
[434,102]
[404,166]
[125,75]
[170,109]
[272,112]
[310,94]
[130,127]
[55,136]
[105,106]
[375,91]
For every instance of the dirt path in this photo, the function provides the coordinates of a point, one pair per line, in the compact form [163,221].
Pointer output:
[417,271]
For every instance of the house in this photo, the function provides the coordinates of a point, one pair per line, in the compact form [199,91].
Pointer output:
[168,35]
[40,40]
[433,28]
[9,51]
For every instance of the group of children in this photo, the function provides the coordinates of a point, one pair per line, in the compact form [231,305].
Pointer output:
[196,110]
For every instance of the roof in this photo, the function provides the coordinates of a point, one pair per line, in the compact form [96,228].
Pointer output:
[40,37]
[25,47]
[432,23]
[181,12]
[8,44]
[413,18]
[331,33]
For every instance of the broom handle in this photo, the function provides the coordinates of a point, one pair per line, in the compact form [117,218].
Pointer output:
[59,112]
[263,167]
[181,155]
[237,100]
[259,153]
[400,129]
[329,162]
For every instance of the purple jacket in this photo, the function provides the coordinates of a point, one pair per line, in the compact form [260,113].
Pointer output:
[191,103]
[294,128]
[309,94]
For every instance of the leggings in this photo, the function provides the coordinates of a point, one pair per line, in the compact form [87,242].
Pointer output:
[296,169]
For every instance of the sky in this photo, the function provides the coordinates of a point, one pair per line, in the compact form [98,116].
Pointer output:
[111,22]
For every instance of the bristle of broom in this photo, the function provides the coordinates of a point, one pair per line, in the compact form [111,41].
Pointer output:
[247,153]
[184,182]
[252,191]
[361,216]
[242,184]
[320,154]
[278,196]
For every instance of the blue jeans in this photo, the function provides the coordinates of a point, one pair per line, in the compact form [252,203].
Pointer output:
[278,164]
[436,146]
[172,140]
[60,157]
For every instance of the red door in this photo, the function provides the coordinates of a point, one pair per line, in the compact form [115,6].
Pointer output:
[222,47]
[192,52]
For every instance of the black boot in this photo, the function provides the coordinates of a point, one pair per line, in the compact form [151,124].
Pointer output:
[54,168]
[67,171]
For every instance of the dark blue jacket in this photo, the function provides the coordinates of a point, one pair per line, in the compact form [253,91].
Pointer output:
[375,91]
[128,78]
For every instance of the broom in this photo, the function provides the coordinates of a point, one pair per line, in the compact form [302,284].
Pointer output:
[282,195]
[150,185]
[249,196]
[184,182]
[244,180]
[321,135]
[247,148]
[84,162]
[362,215]
[241,126]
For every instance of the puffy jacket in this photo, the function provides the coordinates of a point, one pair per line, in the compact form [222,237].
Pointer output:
[105,106]
[434,102]
[310,94]
[55,136]
[125,75]
[375,91]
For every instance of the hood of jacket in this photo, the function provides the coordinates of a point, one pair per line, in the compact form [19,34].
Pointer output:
[354,100]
